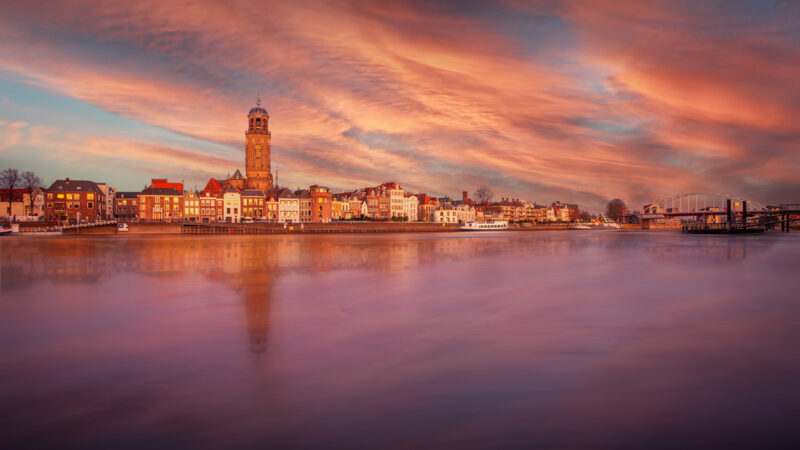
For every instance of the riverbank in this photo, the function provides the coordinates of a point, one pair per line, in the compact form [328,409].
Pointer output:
[147,228]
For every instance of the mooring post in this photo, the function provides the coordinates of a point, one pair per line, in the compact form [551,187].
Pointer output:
[729,214]
[744,213]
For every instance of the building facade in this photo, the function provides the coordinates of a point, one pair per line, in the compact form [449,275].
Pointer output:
[253,204]
[321,200]
[288,206]
[157,204]
[126,205]
[191,206]
[233,205]
[79,200]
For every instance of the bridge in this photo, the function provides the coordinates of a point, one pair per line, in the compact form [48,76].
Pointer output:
[721,209]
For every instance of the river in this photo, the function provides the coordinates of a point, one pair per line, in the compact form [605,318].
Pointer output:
[449,340]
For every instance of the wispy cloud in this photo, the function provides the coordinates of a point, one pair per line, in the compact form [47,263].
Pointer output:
[578,101]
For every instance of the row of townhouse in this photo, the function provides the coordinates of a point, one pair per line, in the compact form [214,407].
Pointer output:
[514,210]
[229,201]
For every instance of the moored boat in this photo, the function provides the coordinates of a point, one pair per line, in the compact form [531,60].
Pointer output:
[579,226]
[485,226]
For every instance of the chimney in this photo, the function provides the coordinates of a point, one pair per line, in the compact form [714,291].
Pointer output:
[67,180]
[464,196]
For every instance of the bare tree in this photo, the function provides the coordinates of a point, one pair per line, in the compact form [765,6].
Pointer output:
[31,183]
[8,181]
[483,195]
[615,210]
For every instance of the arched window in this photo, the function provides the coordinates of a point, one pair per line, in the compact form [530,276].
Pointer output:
[251,123]
[258,123]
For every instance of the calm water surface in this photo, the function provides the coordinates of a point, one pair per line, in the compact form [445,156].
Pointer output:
[545,340]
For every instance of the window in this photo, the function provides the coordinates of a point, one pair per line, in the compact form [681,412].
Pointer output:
[90,205]
[89,196]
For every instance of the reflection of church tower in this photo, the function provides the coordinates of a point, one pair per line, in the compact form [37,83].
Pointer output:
[258,149]
[257,305]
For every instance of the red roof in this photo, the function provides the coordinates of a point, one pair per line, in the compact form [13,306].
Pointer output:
[213,187]
[162,183]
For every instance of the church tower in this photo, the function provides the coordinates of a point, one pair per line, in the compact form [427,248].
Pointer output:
[257,157]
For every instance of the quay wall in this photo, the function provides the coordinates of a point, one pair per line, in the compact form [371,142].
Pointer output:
[133,228]
[315,228]
[539,227]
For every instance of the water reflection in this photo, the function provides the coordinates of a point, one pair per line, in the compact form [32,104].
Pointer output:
[546,340]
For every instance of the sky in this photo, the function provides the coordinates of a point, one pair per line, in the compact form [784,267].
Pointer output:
[556,100]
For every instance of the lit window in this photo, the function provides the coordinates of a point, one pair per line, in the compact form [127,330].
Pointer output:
[89,196]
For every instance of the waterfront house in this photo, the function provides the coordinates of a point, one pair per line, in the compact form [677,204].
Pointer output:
[254,204]
[410,207]
[288,206]
[233,205]
[321,200]
[126,205]
[191,206]
[157,204]
[74,199]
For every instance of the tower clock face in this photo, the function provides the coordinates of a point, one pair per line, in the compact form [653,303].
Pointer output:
[258,146]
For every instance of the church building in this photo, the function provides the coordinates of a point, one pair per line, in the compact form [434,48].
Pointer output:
[258,149]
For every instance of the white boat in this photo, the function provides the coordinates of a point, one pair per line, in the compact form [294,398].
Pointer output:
[485,226]
[579,226]
[5,231]
[605,222]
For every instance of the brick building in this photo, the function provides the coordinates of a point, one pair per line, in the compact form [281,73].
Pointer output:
[156,204]
[126,205]
[79,200]
[321,200]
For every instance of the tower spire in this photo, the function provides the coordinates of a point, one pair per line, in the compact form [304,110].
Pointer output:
[258,100]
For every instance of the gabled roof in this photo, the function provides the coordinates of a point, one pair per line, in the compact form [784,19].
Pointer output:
[68,185]
[213,187]
[285,193]
[237,175]
[302,193]
[230,190]
[253,193]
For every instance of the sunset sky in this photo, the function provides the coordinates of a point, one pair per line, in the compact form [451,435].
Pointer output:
[575,101]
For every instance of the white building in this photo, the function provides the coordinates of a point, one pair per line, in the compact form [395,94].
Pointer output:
[288,206]
[233,205]
[411,207]
[454,213]
[396,197]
